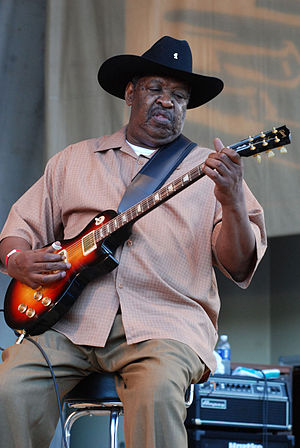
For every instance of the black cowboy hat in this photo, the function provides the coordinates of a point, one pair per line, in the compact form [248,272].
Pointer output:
[167,57]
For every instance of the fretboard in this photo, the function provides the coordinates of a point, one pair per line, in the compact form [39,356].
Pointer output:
[250,146]
[143,207]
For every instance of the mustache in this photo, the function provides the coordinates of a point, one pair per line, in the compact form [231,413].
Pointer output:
[160,110]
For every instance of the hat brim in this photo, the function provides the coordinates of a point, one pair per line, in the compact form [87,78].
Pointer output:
[116,72]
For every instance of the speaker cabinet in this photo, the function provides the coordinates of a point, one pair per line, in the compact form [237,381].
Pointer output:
[225,439]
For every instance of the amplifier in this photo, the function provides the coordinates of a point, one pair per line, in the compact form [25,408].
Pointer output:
[241,402]
[221,439]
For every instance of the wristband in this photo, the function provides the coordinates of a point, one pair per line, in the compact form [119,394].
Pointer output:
[9,254]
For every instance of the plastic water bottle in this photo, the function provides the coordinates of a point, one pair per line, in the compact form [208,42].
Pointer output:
[223,348]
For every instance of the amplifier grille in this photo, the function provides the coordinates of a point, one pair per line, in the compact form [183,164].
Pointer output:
[231,401]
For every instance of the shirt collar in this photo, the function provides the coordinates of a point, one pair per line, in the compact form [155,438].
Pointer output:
[114,141]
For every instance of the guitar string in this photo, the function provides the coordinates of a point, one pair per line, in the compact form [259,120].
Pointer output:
[147,203]
[165,191]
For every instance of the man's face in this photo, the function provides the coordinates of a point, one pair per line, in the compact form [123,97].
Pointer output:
[158,106]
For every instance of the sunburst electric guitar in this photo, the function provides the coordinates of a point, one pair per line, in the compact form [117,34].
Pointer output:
[91,253]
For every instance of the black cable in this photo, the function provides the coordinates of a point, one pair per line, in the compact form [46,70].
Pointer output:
[1,348]
[55,386]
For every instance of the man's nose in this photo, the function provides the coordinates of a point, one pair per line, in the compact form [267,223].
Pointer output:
[165,100]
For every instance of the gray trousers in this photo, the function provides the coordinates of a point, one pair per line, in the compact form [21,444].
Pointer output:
[152,377]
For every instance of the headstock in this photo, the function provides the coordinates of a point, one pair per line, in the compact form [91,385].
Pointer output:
[263,142]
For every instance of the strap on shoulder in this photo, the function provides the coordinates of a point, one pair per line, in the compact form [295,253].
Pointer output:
[156,171]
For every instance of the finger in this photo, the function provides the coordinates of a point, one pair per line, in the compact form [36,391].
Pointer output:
[51,267]
[226,158]
[221,149]
[218,144]
[46,279]
[232,155]
[212,173]
[52,258]
[56,245]
[219,164]
[47,262]
[51,254]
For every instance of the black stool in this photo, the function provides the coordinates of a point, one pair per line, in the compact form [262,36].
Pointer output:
[97,395]
[94,395]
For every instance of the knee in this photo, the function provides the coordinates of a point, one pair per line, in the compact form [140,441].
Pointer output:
[159,387]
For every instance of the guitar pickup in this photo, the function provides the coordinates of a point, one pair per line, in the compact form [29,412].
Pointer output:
[88,243]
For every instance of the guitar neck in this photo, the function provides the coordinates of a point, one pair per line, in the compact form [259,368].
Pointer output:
[143,207]
[250,146]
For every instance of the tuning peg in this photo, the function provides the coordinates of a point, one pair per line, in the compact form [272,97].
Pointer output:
[276,139]
[264,143]
[258,157]
[252,147]
[262,134]
[250,139]
[275,130]
[283,150]
[271,154]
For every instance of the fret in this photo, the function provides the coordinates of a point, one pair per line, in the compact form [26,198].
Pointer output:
[178,183]
[109,228]
[134,212]
[131,213]
[149,202]
[156,197]
[128,215]
[103,231]
[186,178]
[170,188]
[195,172]
[163,192]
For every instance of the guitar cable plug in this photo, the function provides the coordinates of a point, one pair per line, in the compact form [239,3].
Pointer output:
[21,336]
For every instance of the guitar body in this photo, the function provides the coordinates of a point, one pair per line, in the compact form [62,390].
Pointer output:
[37,310]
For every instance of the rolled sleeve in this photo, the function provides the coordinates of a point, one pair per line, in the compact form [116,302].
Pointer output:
[256,217]
[35,217]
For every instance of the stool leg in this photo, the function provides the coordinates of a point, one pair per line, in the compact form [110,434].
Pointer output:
[114,420]
[69,422]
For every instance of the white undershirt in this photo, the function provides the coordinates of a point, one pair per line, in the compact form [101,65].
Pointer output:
[139,150]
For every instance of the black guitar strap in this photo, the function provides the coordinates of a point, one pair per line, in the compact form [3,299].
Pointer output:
[156,171]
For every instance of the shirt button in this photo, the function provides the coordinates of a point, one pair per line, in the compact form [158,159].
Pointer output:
[140,162]
[129,243]
[120,285]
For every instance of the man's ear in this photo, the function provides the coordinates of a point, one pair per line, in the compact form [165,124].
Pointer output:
[129,93]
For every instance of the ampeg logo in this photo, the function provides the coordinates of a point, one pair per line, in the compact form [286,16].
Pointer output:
[213,403]
[244,445]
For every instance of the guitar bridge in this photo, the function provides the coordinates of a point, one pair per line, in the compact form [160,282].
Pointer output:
[88,243]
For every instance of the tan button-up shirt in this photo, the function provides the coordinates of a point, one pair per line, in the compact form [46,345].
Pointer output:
[165,282]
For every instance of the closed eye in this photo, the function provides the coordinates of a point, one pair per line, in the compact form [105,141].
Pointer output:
[155,89]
